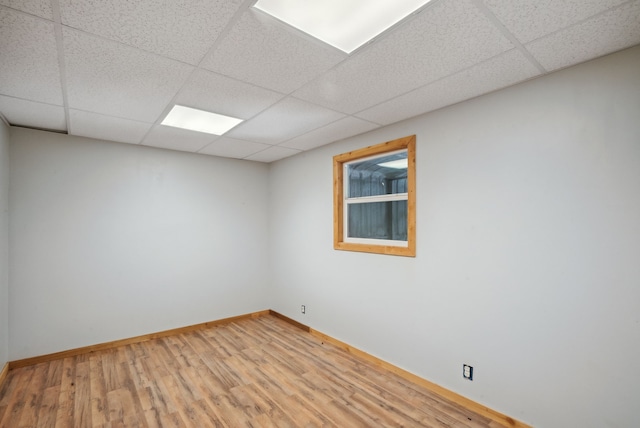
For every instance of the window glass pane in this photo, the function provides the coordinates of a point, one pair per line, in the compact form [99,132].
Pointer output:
[378,220]
[383,175]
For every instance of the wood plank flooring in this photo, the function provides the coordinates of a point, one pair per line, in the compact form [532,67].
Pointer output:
[259,372]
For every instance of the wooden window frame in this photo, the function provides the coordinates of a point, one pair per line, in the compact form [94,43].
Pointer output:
[408,143]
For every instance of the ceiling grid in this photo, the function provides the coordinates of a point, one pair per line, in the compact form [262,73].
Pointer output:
[112,69]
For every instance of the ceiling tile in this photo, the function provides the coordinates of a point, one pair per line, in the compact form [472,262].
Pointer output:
[168,137]
[341,129]
[117,80]
[264,52]
[41,8]
[273,153]
[32,114]
[29,66]
[219,94]
[103,127]
[608,32]
[529,20]
[444,38]
[283,121]
[232,148]
[134,60]
[184,30]
[501,71]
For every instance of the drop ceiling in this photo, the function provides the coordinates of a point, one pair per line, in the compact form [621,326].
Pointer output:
[112,69]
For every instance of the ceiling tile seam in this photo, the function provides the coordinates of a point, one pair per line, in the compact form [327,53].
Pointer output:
[344,113]
[126,45]
[307,132]
[506,33]
[238,139]
[483,94]
[31,100]
[269,148]
[213,142]
[236,17]
[62,68]
[280,144]
[225,32]
[109,115]
[582,21]
[429,84]
[22,12]
[324,106]
[178,150]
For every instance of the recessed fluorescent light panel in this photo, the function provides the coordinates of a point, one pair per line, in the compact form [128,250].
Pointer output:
[199,120]
[345,24]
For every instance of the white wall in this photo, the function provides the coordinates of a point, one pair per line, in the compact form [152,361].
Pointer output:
[111,241]
[528,256]
[4,244]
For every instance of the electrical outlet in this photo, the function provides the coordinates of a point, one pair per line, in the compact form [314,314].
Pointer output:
[467,372]
[303,309]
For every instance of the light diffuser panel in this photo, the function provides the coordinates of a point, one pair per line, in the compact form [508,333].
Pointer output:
[199,120]
[345,24]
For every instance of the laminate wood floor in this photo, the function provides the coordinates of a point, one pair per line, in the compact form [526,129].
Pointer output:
[260,372]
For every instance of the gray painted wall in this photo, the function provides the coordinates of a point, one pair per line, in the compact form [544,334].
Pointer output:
[4,244]
[528,245]
[111,241]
